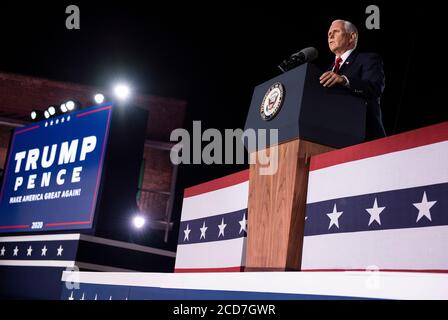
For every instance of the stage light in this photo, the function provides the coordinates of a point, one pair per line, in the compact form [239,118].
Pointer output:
[47,114]
[122,91]
[36,115]
[63,108]
[139,221]
[99,98]
[52,110]
[70,105]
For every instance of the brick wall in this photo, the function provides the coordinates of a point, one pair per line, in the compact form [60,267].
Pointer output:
[5,133]
[19,95]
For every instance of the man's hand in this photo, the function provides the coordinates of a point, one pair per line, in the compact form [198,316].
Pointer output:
[330,79]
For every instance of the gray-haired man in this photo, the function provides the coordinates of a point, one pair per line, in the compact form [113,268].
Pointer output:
[361,73]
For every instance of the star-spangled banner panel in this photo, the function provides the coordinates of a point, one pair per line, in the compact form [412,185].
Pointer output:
[380,205]
[38,250]
[232,226]
[399,211]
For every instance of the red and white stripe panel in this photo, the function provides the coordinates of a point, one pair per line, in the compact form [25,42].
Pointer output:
[217,197]
[414,159]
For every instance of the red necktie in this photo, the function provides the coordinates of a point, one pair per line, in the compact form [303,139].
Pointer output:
[337,65]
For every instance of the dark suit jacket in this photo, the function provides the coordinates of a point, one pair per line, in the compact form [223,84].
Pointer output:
[366,76]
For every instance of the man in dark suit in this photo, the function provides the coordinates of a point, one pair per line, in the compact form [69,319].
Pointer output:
[361,73]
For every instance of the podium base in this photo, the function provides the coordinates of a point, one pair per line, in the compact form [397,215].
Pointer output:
[277,206]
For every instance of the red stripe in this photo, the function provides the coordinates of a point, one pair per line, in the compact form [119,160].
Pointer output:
[379,270]
[15,227]
[399,142]
[230,269]
[27,129]
[217,184]
[66,223]
[93,111]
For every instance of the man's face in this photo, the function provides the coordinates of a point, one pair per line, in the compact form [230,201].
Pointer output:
[339,40]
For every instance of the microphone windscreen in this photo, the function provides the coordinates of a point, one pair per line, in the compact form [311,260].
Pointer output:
[309,54]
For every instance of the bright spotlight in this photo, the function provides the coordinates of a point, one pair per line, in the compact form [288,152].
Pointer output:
[63,108]
[36,115]
[70,105]
[46,114]
[52,110]
[139,222]
[122,91]
[99,98]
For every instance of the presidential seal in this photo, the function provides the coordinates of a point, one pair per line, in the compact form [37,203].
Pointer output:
[272,101]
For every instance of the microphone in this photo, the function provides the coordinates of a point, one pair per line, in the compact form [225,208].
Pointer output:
[305,55]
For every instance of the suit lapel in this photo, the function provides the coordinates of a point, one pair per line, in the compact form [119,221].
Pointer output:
[349,62]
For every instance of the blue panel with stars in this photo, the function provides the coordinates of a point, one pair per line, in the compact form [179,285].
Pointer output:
[399,209]
[85,291]
[227,226]
[88,291]
[39,250]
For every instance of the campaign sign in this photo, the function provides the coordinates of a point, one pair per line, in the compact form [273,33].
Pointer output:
[53,172]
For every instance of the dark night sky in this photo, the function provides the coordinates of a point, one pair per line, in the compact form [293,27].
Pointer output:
[212,55]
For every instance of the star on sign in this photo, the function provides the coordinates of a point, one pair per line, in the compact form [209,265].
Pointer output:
[334,217]
[71,297]
[423,208]
[2,252]
[243,224]
[203,230]
[16,251]
[60,249]
[29,251]
[187,233]
[375,212]
[221,227]
[44,251]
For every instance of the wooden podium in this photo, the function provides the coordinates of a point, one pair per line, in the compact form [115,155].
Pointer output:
[310,120]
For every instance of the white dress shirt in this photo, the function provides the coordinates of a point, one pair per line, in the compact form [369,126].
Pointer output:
[344,57]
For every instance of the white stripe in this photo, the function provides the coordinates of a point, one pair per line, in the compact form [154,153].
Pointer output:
[216,202]
[62,264]
[385,285]
[102,268]
[410,168]
[216,254]
[125,245]
[400,249]
[38,263]
[51,237]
